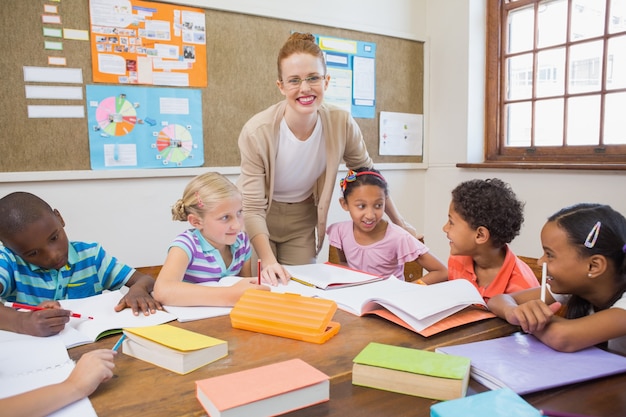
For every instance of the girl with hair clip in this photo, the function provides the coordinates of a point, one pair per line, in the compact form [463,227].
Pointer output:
[368,242]
[290,156]
[584,248]
[215,247]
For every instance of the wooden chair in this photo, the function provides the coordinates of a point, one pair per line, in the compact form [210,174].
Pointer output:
[153,271]
[412,270]
[532,263]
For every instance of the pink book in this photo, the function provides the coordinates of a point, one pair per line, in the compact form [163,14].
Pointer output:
[268,390]
[524,364]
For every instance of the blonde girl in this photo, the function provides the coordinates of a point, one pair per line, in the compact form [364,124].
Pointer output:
[216,246]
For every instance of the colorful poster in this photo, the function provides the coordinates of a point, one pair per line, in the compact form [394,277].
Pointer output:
[352,68]
[140,42]
[144,127]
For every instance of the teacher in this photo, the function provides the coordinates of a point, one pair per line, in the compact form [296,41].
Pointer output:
[290,156]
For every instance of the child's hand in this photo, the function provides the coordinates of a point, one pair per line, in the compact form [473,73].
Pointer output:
[246,284]
[274,273]
[139,300]
[532,316]
[49,304]
[47,322]
[91,369]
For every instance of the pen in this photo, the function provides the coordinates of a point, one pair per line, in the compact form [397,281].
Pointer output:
[544,277]
[119,343]
[258,268]
[35,308]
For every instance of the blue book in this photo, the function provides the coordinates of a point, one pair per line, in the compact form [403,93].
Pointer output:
[524,364]
[498,403]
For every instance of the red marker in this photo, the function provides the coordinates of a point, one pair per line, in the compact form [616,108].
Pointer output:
[35,308]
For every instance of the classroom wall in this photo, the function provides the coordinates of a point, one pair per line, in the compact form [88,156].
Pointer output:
[129,211]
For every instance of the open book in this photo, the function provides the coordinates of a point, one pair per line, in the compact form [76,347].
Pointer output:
[329,276]
[421,308]
[191,313]
[524,364]
[80,331]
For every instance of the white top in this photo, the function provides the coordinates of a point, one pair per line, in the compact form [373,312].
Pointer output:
[619,343]
[299,163]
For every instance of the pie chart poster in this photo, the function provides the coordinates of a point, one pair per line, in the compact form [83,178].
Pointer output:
[144,127]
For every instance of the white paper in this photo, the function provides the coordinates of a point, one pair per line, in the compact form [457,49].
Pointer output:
[56,112]
[53,92]
[53,75]
[401,134]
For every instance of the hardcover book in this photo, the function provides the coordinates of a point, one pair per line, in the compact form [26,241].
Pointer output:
[264,391]
[173,348]
[411,371]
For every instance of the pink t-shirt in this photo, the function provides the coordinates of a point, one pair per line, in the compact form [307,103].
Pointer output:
[385,257]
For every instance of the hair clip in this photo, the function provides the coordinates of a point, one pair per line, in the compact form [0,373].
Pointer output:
[350,176]
[200,203]
[624,248]
[592,237]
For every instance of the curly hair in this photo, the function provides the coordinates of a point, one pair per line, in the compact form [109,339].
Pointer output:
[490,203]
[18,210]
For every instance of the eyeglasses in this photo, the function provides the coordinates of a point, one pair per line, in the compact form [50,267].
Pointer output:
[313,81]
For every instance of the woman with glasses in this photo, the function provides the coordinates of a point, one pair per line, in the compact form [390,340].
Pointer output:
[290,155]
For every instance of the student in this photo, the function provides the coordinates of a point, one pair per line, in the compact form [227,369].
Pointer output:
[290,155]
[368,242]
[584,247]
[39,265]
[483,218]
[216,247]
[90,371]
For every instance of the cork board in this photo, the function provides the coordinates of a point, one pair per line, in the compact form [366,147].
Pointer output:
[241,54]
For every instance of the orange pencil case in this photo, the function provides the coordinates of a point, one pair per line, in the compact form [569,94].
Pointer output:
[286,315]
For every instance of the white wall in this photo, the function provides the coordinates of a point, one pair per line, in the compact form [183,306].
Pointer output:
[129,211]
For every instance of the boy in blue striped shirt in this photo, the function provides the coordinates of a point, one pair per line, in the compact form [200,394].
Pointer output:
[38,264]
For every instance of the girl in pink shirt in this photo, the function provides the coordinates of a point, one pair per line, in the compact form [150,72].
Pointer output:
[368,242]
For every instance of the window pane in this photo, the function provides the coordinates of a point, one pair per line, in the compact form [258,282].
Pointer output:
[585,67]
[552,23]
[587,19]
[616,63]
[520,75]
[549,122]
[521,28]
[551,72]
[615,119]
[518,124]
[617,20]
[583,120]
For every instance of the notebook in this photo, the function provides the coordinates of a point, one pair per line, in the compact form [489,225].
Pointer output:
[524,364]
[106,321]
[498,403]
[30,362]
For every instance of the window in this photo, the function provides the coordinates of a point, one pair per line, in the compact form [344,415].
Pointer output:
[556,81]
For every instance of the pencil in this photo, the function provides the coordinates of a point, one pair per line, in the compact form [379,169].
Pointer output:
[258,268]
[544,277]
[35,308]
[119,343]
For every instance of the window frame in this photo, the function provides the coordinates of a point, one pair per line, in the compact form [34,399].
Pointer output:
[606,156]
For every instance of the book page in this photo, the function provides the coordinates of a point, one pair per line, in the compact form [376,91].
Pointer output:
[30,362]
[327,276]
[102,308]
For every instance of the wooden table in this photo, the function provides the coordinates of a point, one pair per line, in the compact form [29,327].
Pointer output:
[142,389]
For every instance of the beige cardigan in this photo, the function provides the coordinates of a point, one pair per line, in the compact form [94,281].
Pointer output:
[258,146]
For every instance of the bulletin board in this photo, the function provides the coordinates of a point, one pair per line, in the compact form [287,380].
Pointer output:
[241,53]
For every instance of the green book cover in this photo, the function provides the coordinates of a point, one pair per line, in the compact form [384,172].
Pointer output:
[415,361]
